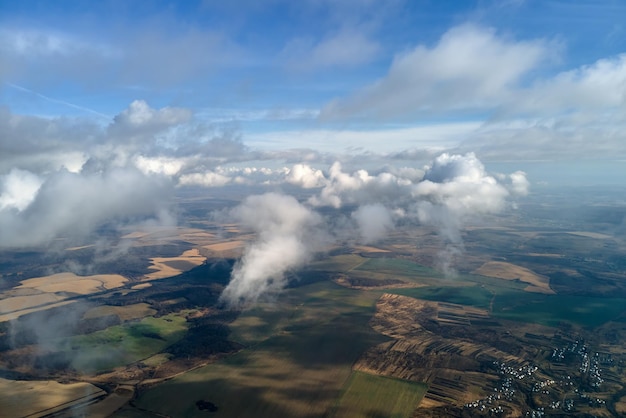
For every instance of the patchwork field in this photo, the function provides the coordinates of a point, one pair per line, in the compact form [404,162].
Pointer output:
[35,399]
[72,283]
[172,266]
[367,395]
[508,271]
[462,294]
[370,249]
[553,310]
[225,246]
[41,293]
[299,356]
[124,344]
[364,331]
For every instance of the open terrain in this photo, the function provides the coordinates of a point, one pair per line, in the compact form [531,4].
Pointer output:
[34,398]
[533,317]
[371,395]
[508,271]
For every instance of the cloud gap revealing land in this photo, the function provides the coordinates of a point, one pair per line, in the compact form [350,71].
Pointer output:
[312,209]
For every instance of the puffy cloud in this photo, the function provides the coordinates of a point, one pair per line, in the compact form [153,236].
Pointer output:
[40,145]
[18,189]
[206,179]
[461,184]
[305,176]
[358,187]
[519,183]
[456,188]
[140,128]
[445,195]
[73,204]
[374,222]
[469,68]
[141,116]
[159,165]
[286,239]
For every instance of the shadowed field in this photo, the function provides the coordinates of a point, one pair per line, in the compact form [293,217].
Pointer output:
[299,356]
[368,395]
[39,398]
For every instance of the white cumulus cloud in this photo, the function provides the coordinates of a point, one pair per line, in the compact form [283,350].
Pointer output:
[286,239]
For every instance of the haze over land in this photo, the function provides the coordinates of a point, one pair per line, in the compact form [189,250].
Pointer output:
[185,95]
[141,141]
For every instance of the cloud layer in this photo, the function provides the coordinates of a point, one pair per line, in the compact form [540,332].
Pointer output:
[444,194]
[470,68]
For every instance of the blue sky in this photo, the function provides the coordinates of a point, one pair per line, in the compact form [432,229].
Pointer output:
[317,74]
[423,111]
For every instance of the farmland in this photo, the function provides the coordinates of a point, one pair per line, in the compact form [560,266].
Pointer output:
[371,395]
[35,398]
[279,372]
[529,303]
[124,344]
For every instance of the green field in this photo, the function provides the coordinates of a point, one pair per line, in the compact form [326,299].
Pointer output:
[368,395]
[299,355]
[517,305]
[462,295]
[551,310]
[398,267]
[124,344]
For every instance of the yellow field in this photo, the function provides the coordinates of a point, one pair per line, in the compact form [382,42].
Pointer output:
[46,292]
[198,237]
[225,246]
[39,398]
[26,309]
[163,269]
[141,286]
[508,271]
[71,283]
[18,303]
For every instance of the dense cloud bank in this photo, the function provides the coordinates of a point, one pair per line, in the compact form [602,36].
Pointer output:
[117,181]
[128,171]
[35,211]
[449,191]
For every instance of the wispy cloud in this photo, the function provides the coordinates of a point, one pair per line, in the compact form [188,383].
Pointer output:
[470,68]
